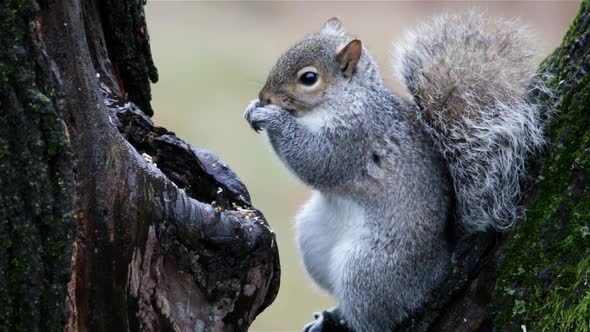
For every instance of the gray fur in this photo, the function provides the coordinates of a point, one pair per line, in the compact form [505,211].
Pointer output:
[373,234]
[471,77]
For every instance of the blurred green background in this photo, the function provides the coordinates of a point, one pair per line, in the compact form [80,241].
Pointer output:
[213,57]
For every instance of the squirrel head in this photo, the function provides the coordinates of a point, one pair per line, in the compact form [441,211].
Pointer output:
[316,70]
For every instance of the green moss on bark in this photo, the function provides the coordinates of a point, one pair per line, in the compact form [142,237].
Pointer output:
[36,220]
[544,275]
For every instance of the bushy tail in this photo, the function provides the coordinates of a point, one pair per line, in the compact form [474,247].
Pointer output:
[472,78]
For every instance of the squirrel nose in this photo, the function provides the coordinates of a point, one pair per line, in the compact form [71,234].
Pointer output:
[265,98]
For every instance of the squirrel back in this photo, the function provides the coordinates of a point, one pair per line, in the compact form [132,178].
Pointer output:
[471,79]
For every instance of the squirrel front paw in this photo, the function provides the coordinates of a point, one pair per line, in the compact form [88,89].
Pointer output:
[260,116]
[327,321]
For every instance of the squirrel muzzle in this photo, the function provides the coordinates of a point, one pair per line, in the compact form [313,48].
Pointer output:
[268,98]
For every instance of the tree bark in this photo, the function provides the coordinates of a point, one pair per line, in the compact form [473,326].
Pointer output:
[109,223]
[36,201]
[543,276]
[536,277]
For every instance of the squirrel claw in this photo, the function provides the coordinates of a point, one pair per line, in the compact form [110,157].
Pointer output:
[255,125]
[259,116]
[326,321]
[315,326]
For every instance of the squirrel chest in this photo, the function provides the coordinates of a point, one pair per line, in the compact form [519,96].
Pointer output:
[327,229]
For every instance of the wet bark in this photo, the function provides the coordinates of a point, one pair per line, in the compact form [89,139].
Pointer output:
[36,199]
[108,222]
[536,276]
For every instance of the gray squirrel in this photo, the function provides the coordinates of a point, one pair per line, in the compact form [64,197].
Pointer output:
[389,173]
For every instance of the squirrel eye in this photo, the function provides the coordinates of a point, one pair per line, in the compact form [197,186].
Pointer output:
[308,78]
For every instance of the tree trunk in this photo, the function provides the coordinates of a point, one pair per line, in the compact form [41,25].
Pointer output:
[543,278]
[537,277]
[36,199]
[107,222]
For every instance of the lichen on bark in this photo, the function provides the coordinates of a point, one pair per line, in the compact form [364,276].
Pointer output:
[544,274]
[36,209]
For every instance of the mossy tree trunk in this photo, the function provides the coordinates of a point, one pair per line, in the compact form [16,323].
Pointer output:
[543,277]
[107,222]
[36,200]
[536,277]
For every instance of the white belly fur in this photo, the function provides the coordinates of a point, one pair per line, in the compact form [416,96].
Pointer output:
[328,229]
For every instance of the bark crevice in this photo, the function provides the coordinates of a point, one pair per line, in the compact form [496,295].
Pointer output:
[166,245]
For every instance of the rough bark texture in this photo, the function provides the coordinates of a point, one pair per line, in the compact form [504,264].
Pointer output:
[166,239]
[544,271]
[36,201]
[537,277]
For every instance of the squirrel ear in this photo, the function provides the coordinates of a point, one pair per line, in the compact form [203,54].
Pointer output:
[333,25]
[349,56]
